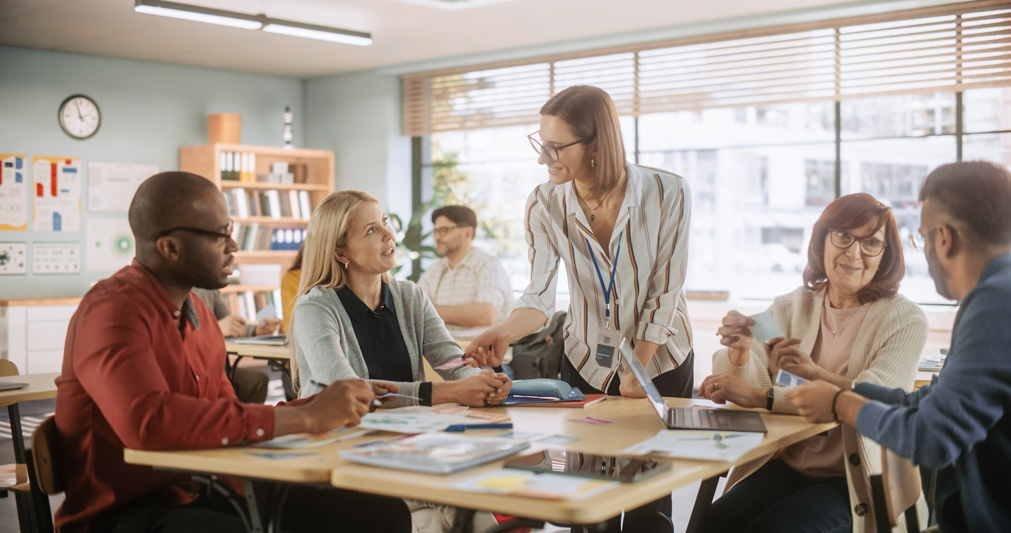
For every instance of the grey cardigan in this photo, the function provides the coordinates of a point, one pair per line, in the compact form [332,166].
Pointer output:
[326,349]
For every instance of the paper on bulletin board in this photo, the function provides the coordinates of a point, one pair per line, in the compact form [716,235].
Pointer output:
[57,193]
[13,258]
[56,258]
[110,244]
[13,192]
[111,185]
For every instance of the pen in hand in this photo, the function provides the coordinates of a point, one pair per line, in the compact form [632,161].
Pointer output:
[465,427]
[376,402]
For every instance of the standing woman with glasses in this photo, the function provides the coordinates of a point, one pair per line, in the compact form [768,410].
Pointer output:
[846,325]
[622,231]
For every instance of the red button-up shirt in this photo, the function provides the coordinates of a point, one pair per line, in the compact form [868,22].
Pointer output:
[133,379]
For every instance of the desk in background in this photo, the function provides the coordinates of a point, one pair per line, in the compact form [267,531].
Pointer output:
[277,357]
[40,387]
[633,421]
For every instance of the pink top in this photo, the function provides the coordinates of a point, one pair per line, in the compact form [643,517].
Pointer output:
[822,456]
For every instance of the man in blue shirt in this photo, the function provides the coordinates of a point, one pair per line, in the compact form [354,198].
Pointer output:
[959,424]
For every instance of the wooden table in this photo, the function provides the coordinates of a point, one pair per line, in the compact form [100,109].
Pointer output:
[633,421]
[40,387]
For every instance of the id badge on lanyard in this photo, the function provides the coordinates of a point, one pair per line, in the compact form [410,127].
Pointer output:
[608,337]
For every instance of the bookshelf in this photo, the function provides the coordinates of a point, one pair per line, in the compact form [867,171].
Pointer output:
[271,193]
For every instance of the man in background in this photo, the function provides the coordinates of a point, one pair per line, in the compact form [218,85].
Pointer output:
[960,424]
[468,287]
[250,384]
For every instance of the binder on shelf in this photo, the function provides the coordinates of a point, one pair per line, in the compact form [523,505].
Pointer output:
[304,206]
[283,203]
[241,203]
[295,207]
[274,201]
[230,201]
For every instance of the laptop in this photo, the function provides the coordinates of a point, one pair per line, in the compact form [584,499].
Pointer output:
[690,417]
[10,385]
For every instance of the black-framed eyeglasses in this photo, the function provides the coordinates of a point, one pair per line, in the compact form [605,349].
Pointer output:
[548,151]
[869,246]
[441,232]
[919,238]
[227,234]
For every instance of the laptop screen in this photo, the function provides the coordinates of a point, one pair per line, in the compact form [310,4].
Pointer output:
[640,374]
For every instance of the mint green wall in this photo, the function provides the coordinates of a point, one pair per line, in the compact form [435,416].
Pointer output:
[148,110]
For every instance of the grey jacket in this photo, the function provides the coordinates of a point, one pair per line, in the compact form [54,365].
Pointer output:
[326,349]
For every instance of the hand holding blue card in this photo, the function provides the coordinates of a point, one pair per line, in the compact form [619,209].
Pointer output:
[765,328]
[788,380]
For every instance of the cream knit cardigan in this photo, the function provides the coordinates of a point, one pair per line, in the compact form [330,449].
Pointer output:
[885,352]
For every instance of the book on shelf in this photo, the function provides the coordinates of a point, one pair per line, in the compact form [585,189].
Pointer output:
[293,205]
[435,453]
[241,203]
[304,207]
[274,203]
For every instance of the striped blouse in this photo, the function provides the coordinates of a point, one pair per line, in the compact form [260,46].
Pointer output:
[648,301]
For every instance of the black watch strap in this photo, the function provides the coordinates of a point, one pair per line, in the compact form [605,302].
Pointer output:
[770,398]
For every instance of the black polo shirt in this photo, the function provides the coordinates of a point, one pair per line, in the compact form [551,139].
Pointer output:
[380,339]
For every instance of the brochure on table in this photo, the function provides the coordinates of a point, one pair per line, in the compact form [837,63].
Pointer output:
[435,453]
[704,445]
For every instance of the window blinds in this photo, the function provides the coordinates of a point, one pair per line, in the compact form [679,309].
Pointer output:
[945,48]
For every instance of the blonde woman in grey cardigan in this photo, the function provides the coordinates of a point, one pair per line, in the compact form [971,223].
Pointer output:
[351,321]
[847,324]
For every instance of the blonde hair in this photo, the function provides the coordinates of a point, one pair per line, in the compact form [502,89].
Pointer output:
[327,233]
[591,114]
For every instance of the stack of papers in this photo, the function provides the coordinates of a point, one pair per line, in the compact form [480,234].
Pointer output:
[414,419]
[704,445]
[435,453]
[544,486]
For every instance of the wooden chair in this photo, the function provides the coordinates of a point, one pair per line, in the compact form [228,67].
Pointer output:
[44,472]
[895,492]
[14,476]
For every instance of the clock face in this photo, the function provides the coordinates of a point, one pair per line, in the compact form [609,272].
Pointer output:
[79,116]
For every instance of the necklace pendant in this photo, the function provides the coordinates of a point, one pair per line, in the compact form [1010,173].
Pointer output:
[593,217]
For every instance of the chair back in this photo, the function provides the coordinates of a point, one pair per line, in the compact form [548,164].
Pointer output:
[46,453]
[896,491]
[7,368]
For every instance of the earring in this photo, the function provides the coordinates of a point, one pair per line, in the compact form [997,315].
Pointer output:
[593,162]
[345,265]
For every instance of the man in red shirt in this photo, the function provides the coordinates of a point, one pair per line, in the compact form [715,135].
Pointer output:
[143,368]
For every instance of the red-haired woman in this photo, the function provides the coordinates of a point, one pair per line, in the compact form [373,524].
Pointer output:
[847,324]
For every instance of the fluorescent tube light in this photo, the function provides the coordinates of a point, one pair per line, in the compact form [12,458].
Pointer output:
[198,14]
[318,32]
[251,22]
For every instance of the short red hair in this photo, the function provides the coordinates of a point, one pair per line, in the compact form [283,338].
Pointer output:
[851,212]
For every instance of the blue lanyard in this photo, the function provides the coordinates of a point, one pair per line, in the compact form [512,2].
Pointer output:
[607,289]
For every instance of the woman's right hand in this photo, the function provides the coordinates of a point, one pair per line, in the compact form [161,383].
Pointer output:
[735,334]
[488,348]
[476,391]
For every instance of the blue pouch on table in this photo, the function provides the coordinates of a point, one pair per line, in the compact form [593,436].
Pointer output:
[542,389]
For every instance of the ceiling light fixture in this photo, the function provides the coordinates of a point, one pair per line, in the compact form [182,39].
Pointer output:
[323,33]
[198,14]
[251,22]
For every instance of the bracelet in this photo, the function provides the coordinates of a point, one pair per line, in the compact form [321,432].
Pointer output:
[835,398]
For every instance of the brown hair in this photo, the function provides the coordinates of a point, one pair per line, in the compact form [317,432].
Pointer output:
[457,214]
[591,114]
[851,212]
[976,193]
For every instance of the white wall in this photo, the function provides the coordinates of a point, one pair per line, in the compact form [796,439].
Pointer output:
[358,116]
[148,111]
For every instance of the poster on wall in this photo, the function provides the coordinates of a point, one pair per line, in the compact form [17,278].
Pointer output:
[56,258]
[111,185]
[57,193]
[110,244]
[13,192]
[13,258]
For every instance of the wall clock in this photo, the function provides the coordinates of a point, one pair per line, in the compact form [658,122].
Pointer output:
[79,116]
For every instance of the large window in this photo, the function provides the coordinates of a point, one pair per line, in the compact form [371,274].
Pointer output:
[767,130]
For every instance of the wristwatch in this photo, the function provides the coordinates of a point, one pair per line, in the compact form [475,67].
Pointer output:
[770,397]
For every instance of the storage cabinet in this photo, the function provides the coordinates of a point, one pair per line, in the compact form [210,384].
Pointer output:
[33,332]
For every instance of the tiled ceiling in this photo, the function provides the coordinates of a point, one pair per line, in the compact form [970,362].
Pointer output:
[404,31]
